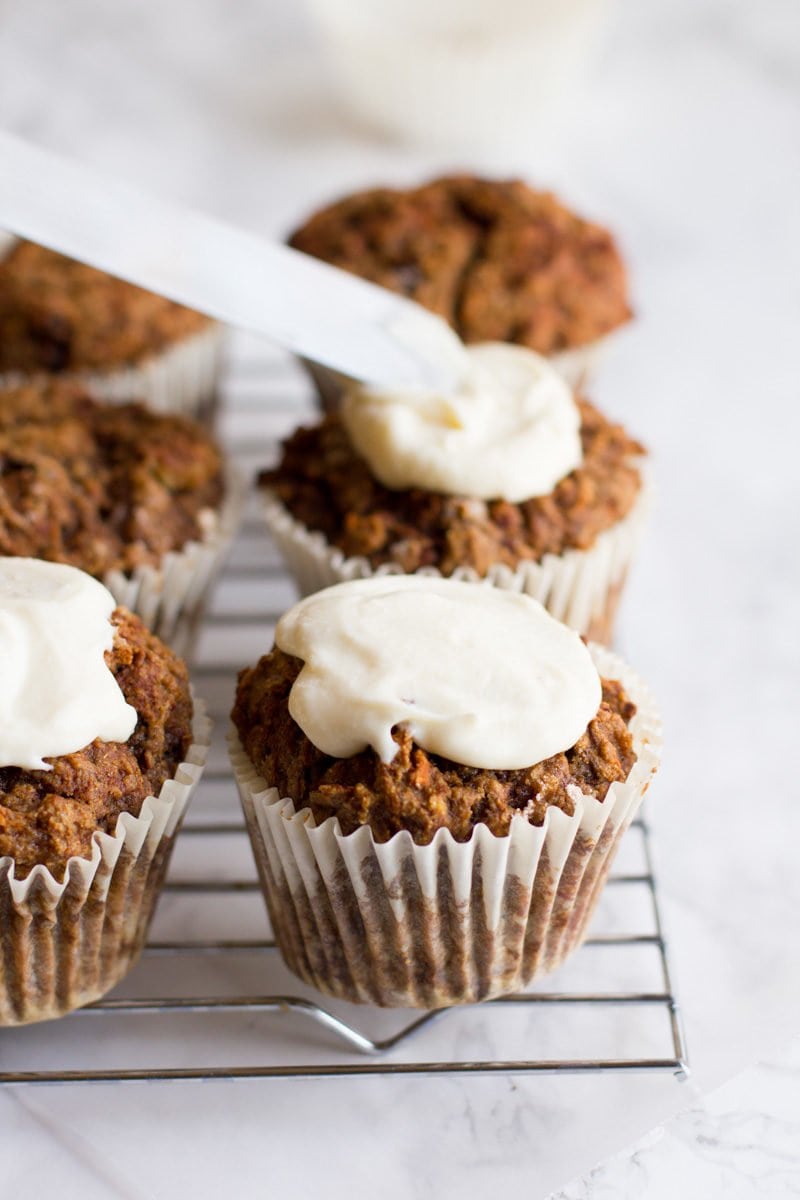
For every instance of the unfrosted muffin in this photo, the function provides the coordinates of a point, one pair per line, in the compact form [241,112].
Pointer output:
[100,749]
[63,317]
[407,854]
[133,497]
[498,260]
[377,487]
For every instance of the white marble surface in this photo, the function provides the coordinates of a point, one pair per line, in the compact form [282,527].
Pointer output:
[688,147]
[741,1140]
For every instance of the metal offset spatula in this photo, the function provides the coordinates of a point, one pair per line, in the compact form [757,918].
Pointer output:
[316,310]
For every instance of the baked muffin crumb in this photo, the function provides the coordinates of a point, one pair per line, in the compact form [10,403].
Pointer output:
[417,791]
[326,486]
[100,486]
[48,816]
[60,315]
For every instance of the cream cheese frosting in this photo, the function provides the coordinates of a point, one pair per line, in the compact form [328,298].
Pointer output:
[57,692]
[479,675]
[510,431]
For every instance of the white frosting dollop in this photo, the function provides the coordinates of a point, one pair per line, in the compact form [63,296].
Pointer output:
[510,431]
[479,675]
[57,692]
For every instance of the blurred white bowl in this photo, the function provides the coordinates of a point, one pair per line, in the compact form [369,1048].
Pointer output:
[460,72]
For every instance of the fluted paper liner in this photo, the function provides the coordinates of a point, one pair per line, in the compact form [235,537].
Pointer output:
[170,597]
[182,378]
[402,925]
[579,587]
[67,944]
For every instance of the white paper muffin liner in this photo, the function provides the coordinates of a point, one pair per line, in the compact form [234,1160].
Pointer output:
[579,587]
[66,944]
[402,925]
[182,378]
[170,598]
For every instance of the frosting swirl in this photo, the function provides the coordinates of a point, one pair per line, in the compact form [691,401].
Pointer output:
[482,676]
[58,694]
[510,432]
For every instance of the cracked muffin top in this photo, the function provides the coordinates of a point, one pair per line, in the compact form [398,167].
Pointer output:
[100,486]
[60,315]
[498,260]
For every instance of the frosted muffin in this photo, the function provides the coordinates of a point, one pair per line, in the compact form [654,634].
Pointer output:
[136,498]
[511,480]
[497,260]
[100,748]
[435,779]
[62,317]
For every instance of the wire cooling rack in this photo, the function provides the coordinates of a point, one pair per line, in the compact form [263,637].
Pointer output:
[211,998]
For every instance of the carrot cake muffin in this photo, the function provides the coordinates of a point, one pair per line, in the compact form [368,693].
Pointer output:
[422,738]
[417,791]
[498,260]
[97,733]
[63,317]
[327,486]
[510,477]
[51,815]
[114,489]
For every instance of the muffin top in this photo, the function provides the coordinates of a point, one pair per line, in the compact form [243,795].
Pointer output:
[497,259]
[100,486]
[60,315]
[327,486]
[425,697]
[48,816]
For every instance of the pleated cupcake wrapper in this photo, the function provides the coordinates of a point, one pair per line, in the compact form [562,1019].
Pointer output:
[402,925]
[67,944]
[182,378]
[170,597]
[579,587]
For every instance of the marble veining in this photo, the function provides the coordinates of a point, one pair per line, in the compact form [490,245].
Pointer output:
[741,1140]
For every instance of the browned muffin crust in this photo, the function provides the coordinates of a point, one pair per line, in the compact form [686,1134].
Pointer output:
[99,486]
[60,315]
[48,816]
[498,260]
[328,487]
[418,791]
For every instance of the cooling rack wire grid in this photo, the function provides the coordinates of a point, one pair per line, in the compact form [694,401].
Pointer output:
[211,998]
